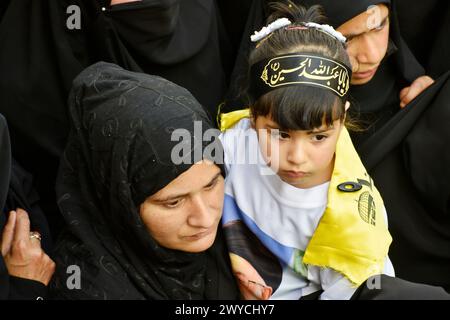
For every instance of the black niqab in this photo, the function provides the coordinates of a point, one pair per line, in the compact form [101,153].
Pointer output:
[182,41]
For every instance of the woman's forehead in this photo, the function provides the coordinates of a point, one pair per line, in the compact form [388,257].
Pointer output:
[194,179]
[365,21]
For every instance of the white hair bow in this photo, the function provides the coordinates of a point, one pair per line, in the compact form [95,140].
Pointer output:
[265,31]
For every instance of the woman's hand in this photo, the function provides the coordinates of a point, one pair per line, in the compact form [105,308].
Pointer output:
[409,93]
[22,250]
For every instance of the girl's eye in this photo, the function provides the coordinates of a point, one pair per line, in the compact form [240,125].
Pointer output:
[280,135]
[173,204]
[319,137]
[284,135]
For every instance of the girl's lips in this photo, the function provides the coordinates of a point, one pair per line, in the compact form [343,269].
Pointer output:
[294,174]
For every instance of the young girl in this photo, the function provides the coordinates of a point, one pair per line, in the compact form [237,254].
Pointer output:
[301,214]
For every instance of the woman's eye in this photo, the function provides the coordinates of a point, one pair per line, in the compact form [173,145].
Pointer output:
[173,204]
[382,25]
[212,185]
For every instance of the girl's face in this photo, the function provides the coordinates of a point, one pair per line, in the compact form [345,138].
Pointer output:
[303,159]
[185,214]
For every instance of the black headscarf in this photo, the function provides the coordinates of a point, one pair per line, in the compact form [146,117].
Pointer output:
[119,153]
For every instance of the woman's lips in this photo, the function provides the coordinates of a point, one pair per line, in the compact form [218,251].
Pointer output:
[365,74]
[199,235]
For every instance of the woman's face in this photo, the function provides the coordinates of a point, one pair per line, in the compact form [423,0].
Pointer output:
[185,214]
[367,42]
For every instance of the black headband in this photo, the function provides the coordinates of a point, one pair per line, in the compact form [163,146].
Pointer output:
[299,69]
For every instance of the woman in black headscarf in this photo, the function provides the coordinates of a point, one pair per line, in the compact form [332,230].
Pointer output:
[25,269]
[404,149]
[120,157]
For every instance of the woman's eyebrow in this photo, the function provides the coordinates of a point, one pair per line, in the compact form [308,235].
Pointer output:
[170,198]
[213,180]
[353,35]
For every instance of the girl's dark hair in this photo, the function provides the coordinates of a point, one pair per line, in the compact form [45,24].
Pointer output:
[299,107]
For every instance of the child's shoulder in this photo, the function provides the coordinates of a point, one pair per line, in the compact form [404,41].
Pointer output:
[243,124]
[239,129]
[237,139]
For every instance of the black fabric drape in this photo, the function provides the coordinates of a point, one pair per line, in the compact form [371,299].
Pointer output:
[3,6]
[119,153]
[383,287]
[431,48]
[39,57]
[234,14]
[182,41]
[408,160]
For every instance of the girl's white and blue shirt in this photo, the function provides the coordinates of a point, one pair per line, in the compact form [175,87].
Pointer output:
[281,216]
